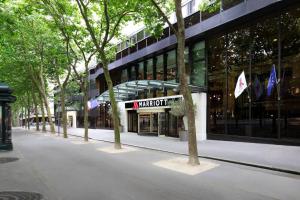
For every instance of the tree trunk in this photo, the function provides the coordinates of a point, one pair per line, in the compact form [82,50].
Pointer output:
[189,105]
[46,102]
[25,118]
[43,114]
[28,111]
[37,125]
[63,111]
[23,114]
[114,106]
[85,110]
[28,117]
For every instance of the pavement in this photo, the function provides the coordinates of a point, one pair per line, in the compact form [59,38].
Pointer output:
[69,169]
[276,157]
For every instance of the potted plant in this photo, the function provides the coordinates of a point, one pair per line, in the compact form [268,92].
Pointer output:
[110,112]
[178,110]
[209,8]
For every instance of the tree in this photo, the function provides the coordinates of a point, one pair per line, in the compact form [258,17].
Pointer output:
[79,47]
[179,31]
[102,29]
[30,45]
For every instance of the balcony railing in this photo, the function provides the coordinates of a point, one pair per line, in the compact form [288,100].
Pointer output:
[189,21]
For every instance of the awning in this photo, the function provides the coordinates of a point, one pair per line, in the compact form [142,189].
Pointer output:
[130,90]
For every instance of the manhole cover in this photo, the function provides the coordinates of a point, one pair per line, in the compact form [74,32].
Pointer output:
[12,195]
[8,159]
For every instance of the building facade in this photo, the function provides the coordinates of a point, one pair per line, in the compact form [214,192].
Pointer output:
[235,36]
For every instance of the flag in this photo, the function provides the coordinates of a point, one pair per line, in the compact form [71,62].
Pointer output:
[272,80]
[241,85]
[92,104]
[258,88]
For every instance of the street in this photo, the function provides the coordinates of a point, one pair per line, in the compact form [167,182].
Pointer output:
[70,169]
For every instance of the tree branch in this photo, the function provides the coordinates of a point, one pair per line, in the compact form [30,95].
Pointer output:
[164,16]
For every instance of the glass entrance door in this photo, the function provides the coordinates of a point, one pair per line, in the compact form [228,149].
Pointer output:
[132,121]
[154,122]
[144,123]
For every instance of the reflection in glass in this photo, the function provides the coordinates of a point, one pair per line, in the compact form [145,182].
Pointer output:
[198,68]
[290,74]
[254,50]
[124,76]
[160,68]
[171,66]
[141,71]
[150,69]
[0,122]
[216,85]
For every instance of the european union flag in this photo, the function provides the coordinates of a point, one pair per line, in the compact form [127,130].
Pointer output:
[272,81]
[92,104]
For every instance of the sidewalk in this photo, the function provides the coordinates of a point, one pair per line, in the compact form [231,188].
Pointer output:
[276,157]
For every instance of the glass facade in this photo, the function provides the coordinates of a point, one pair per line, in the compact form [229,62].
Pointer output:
[160,68]
[149,70]
[260,111]
[198,73]
[141,75]
[171,66]
[0,121]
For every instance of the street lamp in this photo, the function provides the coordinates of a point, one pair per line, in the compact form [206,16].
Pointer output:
[5,117]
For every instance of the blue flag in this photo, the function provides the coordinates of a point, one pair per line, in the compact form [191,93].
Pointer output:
[272,81]
[92,104]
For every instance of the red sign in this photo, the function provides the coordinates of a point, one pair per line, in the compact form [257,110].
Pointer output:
[135,105]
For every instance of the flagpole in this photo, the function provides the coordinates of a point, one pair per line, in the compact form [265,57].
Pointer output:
[249,131]
[279,81]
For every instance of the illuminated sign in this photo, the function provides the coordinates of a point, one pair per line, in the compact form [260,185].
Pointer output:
[151,103]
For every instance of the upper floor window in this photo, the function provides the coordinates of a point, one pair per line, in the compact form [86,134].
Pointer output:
[140,35]
[150,69]
[160,68]
[171,66]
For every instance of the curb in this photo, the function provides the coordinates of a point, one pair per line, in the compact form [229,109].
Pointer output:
[206,157]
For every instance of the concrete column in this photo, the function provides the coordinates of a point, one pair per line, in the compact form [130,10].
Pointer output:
[123,116]
[73,114]
[200,100]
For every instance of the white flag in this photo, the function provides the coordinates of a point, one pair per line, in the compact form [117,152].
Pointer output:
[241,85]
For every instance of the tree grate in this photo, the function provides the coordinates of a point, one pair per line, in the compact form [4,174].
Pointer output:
[7,160]
[13,195]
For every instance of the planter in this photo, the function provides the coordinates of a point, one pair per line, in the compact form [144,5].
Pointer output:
[183,135]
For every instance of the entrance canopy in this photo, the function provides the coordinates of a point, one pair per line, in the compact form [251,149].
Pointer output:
[130,90]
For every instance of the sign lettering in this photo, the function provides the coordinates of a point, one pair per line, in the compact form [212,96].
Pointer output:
[152,103]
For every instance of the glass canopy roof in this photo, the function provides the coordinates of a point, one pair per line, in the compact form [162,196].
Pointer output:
[129,90]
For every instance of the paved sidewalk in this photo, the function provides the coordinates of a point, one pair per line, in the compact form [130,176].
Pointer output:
[278,157]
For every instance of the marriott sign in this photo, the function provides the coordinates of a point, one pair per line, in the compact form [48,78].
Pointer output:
[151,103]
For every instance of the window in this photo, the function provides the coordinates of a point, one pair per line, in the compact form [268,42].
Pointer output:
[133,73]
[160,68]
[124,76]
[133,40]
[191,7]
[198,73]
[254,49]
[141,71]
[171,66]
[0,121]
[119,47]
[150,69]
[140,35]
